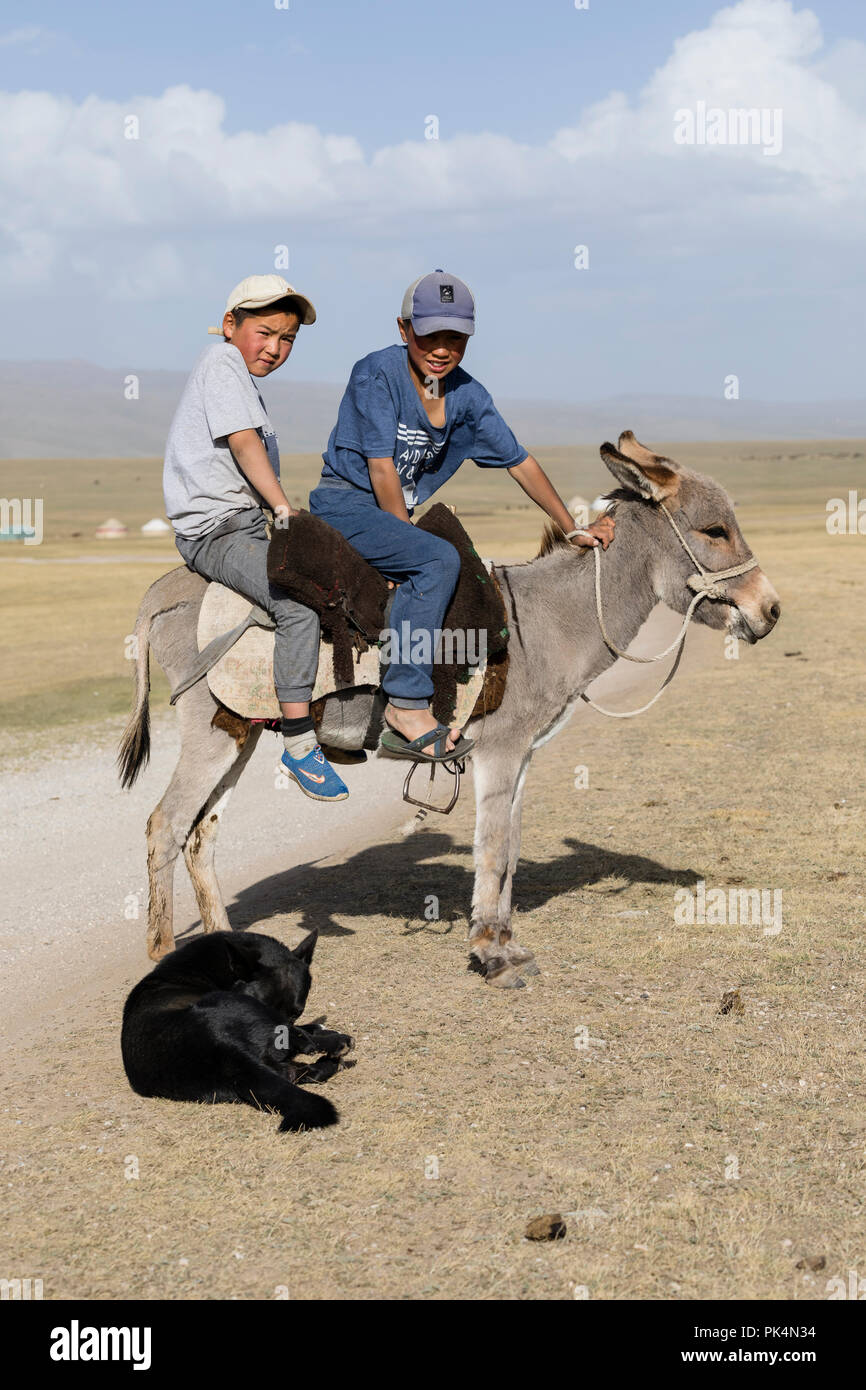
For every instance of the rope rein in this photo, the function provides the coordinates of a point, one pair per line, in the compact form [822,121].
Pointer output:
[706,585]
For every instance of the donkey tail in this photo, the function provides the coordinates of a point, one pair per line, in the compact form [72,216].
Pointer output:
[134,749]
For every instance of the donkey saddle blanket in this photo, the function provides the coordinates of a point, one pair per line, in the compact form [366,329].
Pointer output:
[318,567]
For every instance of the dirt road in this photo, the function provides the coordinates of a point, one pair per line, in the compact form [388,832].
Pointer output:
[72,920]
[72,915]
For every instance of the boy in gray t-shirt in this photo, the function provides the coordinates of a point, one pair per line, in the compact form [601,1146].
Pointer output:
[222,466]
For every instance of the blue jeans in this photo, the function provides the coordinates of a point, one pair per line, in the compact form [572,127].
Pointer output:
[425,566]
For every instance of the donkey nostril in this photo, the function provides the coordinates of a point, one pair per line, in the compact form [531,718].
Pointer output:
[775,611]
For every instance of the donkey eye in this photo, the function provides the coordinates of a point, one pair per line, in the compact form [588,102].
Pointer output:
[715,533]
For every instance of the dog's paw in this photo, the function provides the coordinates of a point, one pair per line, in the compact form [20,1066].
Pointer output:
[334,1044]
[309,1112]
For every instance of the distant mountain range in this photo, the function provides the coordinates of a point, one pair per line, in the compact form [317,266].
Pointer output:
[76,410]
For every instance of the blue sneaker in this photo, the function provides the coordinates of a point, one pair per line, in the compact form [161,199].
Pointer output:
[315,776]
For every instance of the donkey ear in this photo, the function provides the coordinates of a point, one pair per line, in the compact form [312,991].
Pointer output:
[304,950]
[639,470]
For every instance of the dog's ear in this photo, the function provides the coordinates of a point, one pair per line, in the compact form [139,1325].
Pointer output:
[242,958]
[304,950]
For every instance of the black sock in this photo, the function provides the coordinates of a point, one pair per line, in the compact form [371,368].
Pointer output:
[299,736]
[290,727]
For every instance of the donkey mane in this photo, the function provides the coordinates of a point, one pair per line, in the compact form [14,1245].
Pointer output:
[553,537]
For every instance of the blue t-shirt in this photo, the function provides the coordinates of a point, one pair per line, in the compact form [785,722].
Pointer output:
[381,416]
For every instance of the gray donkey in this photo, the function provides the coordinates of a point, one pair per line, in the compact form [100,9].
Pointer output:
[670,523]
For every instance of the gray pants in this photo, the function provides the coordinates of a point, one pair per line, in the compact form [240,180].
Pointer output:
[235,554]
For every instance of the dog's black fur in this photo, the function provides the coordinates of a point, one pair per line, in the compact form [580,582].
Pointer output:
[216,1021]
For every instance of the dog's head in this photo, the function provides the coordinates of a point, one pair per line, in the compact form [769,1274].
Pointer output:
[268,971]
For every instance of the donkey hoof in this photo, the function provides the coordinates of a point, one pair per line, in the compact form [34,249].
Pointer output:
[157,949]
[522,956]
[506,978]
[500,972]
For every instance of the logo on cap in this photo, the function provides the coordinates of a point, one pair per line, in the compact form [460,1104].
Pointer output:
[446,294]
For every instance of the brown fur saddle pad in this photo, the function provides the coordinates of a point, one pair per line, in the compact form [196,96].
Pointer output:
[318,567]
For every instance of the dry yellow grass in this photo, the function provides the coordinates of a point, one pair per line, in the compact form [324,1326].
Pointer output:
[700,1155]
[63,623]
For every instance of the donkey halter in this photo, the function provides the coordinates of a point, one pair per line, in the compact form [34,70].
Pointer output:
[704,582]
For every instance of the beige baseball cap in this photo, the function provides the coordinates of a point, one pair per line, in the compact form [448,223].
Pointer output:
[258,291]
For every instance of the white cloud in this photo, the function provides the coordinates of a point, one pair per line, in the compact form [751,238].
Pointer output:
[844,68]
[26,34]
[753,55]
[70,181]
[31,36]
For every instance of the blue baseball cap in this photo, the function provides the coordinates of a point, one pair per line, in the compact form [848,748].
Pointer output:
[439,301]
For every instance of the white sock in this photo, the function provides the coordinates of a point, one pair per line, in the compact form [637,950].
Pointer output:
[299,745]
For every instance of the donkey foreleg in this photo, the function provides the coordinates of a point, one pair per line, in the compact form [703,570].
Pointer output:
[498,792]
[516,953]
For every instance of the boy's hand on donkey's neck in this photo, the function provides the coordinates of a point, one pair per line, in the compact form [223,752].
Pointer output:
[602,529]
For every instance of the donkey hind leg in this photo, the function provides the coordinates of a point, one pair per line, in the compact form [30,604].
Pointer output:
[200,847]
[207,755]
[498,795]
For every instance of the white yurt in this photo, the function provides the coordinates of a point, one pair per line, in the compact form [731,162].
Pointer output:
[155,527]
[111,529]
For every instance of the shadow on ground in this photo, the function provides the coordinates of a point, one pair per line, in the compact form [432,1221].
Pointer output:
[395,879]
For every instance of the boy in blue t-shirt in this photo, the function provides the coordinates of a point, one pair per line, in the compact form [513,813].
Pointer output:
[408,419]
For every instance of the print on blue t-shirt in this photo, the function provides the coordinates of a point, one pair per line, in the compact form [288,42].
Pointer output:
[381,416]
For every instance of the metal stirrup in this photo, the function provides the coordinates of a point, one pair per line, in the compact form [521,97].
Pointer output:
[453,767]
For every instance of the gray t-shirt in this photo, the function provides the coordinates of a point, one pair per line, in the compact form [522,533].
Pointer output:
[202,483]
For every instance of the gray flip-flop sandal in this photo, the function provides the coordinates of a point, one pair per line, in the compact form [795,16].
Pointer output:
[399,746]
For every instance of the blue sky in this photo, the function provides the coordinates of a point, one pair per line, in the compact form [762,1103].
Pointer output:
[368,67]
[372,67]
[305,127]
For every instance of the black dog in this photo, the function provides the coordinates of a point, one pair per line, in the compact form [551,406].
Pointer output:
[215,1021]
